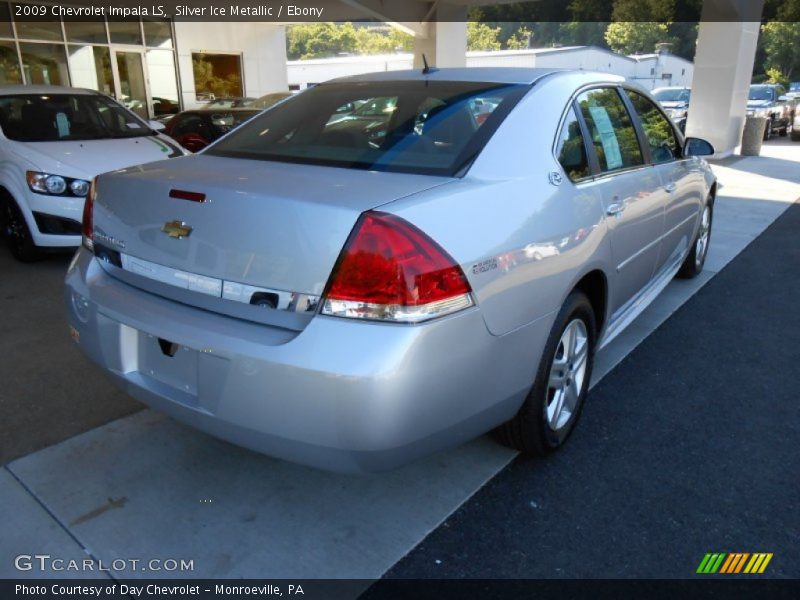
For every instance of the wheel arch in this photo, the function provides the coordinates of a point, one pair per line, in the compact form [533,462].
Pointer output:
[595,285]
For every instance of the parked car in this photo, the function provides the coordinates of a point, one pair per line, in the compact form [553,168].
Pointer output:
[675,101]
[268,100]
[229,102]
[196,129]
[54,141]
[354,304]
[165,109]
[770,101]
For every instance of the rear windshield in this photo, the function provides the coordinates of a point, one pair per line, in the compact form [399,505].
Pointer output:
[58,117]
[760,92]
[671,95]
[433,128]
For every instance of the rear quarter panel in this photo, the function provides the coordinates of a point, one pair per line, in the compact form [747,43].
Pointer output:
[523,242]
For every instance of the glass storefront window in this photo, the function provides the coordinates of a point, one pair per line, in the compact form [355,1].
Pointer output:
[9,64]
[157,34]
[163,82]
[86,32]
[217,76]
[133,61]
[90,67]
[125,32]
[44,63]
[38,29]
[5,21]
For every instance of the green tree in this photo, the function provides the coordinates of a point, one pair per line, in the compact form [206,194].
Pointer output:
[781,40]
[629,37]
[317,40]
[774,75]
[520,39]
[482,37]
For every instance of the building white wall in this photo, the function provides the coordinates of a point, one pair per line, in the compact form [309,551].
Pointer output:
[302,73]
[262,47]
[660,70]
[308,72]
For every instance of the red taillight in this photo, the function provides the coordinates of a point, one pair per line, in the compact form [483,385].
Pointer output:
[88,218]
[390,270]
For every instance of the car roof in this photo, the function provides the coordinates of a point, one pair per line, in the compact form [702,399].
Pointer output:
[509,75]
[15,90]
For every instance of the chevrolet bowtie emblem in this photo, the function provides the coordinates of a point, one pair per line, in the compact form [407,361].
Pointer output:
[176,229]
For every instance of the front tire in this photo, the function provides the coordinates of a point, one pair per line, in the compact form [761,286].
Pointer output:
[16,231]
[696,259]
[554,403]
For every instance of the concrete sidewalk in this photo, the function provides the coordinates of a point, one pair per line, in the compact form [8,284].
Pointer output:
[145,487]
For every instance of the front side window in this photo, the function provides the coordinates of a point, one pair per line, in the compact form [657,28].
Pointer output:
[611,129]
[660,135]
[57,117]
[571,149]
[406,126]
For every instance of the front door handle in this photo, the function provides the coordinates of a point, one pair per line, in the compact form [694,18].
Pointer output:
[615,208]
[671,187]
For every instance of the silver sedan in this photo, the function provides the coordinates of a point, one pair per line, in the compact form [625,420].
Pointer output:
[356,289]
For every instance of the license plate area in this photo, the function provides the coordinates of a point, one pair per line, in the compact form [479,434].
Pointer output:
[168,363]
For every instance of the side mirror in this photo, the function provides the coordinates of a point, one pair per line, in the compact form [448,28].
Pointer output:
[697,147]
[156,125]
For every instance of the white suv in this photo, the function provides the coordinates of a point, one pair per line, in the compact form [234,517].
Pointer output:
[53,142]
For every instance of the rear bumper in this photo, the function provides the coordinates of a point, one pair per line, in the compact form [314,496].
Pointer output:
[339,395]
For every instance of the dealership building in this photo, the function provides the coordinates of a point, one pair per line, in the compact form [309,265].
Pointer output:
[157,67]
[154,66]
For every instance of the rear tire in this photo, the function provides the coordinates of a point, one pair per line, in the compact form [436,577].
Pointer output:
[768,130]
[784,130]
[16,231]
[693,263]
[795,136]
[554,403]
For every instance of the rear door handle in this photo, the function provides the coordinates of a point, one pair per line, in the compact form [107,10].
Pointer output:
[615,208]
[671,187]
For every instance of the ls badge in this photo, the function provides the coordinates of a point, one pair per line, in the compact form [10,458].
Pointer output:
[176,229]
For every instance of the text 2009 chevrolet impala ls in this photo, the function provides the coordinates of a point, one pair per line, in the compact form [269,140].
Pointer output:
[352,289]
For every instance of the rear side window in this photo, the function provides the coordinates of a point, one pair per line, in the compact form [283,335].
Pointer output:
[571,149]
[611,129]
[661,138]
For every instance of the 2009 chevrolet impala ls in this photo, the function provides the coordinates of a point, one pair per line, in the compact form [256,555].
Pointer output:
[391,264]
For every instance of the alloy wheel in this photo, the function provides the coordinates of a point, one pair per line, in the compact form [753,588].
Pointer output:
[702,237]
[567,374]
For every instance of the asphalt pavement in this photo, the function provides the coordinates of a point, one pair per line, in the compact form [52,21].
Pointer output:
[689,446]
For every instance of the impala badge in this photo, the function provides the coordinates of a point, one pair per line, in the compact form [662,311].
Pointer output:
[176,229]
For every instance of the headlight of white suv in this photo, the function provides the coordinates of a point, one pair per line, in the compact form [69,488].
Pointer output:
[677,113]
[56,185]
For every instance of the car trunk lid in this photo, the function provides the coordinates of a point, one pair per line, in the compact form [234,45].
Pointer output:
[204,222]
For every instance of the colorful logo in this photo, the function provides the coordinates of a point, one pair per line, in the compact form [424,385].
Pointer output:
[734,562]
